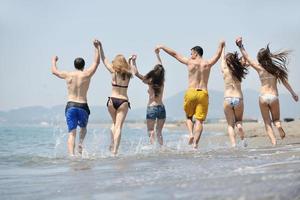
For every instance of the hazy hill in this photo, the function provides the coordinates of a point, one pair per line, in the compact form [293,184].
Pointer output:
[174,107]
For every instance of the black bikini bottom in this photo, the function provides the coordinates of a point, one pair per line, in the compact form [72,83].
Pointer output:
[84,106]
[117,102]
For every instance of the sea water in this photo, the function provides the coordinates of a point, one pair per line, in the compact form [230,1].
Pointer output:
[34,165]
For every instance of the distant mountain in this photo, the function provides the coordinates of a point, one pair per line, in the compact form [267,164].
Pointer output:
[173,104]
[38,114]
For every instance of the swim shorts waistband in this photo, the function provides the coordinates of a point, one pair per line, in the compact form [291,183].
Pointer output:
[83,106]
[198,89]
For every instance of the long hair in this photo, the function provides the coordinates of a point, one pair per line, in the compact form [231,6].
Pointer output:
[275,63]
[235,67]
[120,65]
[156,77]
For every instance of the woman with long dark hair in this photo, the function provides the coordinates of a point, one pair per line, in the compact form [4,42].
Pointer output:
[233,73]
[271,68]
[117,103]
[156,113]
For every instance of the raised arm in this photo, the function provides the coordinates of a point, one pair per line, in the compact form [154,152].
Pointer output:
[92,69]
[223,59]
[290,89]
[55,71]
[217,55]
[239,43]
[158,56]
[223,54]
[174,54]
[132,62]
[106,62]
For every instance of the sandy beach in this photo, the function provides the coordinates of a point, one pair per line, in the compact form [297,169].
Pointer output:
[254,131]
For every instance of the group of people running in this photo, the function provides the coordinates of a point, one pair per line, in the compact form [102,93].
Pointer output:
[271,68]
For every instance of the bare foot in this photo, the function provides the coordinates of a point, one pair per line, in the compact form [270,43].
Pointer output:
[114,152]
[195,146]
[111,146]
[281,132]
[152,139]
[191,139]
[80,148]
[274,142]
[244,143]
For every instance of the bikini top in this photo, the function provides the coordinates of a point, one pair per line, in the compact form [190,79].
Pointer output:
[266,77]
[231,81]
[116,84]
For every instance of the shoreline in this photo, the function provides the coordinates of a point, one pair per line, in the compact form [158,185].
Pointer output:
[251,129]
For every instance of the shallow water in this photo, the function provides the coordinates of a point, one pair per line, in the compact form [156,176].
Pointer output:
[34,165]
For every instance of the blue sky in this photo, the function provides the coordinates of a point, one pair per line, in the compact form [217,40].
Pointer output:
[33,31]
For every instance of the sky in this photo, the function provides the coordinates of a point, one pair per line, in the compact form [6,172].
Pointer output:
[33,31]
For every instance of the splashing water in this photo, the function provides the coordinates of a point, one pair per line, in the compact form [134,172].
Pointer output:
[34,158]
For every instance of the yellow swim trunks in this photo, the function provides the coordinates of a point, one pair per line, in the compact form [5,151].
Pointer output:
[196,103]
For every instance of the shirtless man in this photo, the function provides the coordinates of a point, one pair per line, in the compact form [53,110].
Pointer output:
[196,96]
[77,110]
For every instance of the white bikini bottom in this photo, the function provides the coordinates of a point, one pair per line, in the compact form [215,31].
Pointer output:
[268,98]
[233,101]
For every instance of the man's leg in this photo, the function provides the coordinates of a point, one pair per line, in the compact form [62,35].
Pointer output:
[197,132]
[83,118]
[71,119]
[189,109]
[190,126]
[81,138]
[71,142]
[200,115]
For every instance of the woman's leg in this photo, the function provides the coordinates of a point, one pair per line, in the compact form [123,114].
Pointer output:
[120,117]
[238,114]
[275,111]
[112,113]
[229,114]
[150,128]
[159,126]
[264,109]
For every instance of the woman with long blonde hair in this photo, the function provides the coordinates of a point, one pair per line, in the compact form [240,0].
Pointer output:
[117,103]
[271,69]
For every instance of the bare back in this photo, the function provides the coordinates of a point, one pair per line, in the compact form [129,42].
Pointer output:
[78,84]
[232,85]
[198,73]
[268,81]
[155,100]
[119,92]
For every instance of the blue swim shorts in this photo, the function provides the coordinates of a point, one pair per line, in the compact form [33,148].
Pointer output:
[156,112]
[76,115]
